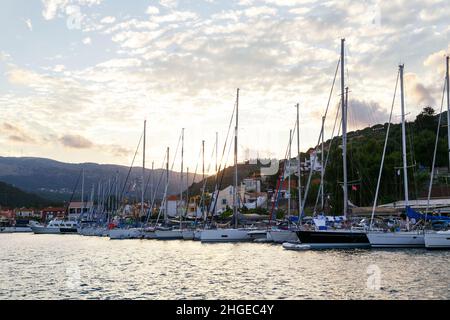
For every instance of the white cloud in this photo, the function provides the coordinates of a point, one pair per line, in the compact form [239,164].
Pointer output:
[108,20]
[257,11]
[152,10]
[87,41]
[29,24]
[53,7]
[169,3]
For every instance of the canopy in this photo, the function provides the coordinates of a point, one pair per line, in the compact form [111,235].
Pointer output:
[419,216]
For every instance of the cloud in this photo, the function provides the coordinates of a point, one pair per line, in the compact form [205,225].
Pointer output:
[363,113]
[420,94]
[87,41]
[152,10]
[16,134]
[29,24]
[257,11]
[76,142]
[437,60]
[168,3]
[52,7]
[108,20]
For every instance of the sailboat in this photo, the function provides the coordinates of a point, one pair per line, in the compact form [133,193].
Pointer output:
[402,238]
[279,235]
[341,238]
[231,234]
[441,239]
[133,233]
[170,233]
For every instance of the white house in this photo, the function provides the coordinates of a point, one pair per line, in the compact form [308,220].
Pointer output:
[76,208]
[175,206]
[225,199]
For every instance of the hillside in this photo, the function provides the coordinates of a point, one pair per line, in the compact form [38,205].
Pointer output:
[12,197]
[226,178]
[56,180]
[365,149]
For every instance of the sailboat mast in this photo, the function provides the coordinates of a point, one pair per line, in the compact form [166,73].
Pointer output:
[299,167]
[181,182]
[344,127]
[82,196]
[202,201]
[289,173]
[235,213]
[448,108]
[167,185]
[405,164]
[322,171]
[217,168]
[217,150]
[143,170]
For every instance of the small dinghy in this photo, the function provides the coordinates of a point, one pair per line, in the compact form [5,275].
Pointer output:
[296,246]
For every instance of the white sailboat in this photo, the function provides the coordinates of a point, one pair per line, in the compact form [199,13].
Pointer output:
[401,239]
[232,234]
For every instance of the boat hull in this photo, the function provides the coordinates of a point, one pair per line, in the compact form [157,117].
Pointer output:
[396,239]
[334,239]
[225,235]
[46,230]
[169,234]
[198,235]
[15,230]
[281,236]
[188,234]
[123,234]
[437,240]
[258,235]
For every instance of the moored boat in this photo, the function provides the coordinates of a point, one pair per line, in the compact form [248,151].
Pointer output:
[437,240]
[225,235]
[281,236]
[174,234]
[56,227]
[122,234]
[334,239]
[400,239]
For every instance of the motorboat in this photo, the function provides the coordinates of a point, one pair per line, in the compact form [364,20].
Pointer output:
[55,227]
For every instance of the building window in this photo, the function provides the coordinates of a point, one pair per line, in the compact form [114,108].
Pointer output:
[224,201]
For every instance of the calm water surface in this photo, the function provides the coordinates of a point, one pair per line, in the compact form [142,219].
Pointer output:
[75,267]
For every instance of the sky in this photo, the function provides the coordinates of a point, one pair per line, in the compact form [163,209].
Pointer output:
[79,77]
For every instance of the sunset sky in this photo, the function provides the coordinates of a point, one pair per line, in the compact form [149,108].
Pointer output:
[79,77]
